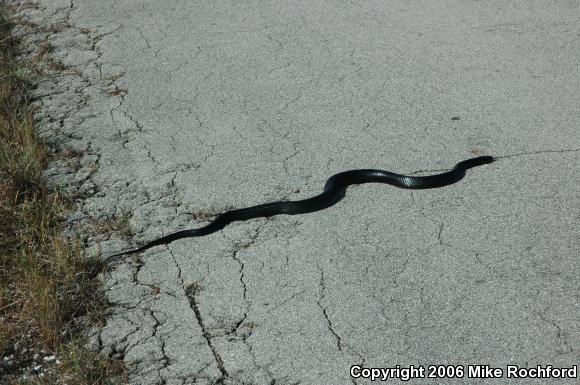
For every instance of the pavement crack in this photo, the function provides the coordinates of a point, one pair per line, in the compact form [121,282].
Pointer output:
[238,248]
[503,157]
[321,297]
[285,301]
[132,119]
[191,293]
[144,37]
[560,335]
[537,152]
[289,102]
[138,265]
[431,171]
[441,225]
[165,360]
[244,286]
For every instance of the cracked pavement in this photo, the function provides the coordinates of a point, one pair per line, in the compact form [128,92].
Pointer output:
[175,111]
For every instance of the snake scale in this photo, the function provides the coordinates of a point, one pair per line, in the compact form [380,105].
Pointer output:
[334,191]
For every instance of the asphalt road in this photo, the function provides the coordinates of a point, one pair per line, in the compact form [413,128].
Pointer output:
[177,110]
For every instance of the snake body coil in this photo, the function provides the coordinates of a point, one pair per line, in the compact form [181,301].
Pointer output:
[334,191]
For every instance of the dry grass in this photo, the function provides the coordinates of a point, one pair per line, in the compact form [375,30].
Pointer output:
[48,290]
[119,225]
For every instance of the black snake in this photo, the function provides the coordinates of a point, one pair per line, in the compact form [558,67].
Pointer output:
[334,190]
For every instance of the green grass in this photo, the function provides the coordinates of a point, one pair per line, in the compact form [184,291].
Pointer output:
[48,290]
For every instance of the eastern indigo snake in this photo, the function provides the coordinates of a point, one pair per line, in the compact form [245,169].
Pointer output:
[334,191]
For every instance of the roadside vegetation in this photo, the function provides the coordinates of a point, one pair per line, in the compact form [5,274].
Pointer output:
[49,291]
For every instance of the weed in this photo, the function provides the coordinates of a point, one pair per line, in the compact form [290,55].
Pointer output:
[48,290]
[118,225]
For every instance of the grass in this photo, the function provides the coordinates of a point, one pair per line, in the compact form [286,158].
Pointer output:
[49,292]
[119,225]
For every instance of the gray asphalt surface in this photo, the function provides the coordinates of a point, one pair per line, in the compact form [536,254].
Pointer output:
[180,109]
